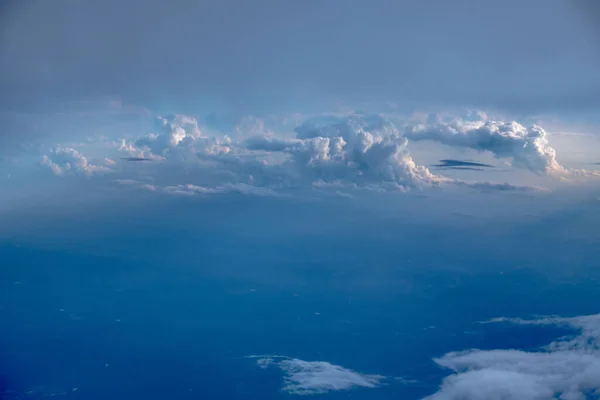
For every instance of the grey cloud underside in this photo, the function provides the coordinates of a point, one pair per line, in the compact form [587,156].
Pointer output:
[566,369]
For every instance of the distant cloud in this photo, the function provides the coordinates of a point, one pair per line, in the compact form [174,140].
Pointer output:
[70,161]
[568,368]
[317,377]
[353,150]
[193,190]
[527,147]
[178,135]
[240,188]
[499,187]
[357,149]
[136,159]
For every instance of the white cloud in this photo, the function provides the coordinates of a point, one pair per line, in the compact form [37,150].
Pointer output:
[566,369]
[178,136]
[70,161]
[362,150]
[526,147]
[355,150]
[317,377]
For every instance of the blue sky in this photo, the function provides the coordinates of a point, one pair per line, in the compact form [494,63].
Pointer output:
[362,171]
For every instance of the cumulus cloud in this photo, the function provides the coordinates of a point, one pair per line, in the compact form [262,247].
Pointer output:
[566,369]
[178,136]
[317,377]
[63,161]
[527,147]
[362,150]
[356,150]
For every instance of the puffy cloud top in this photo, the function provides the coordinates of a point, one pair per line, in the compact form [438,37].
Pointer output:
[70,161]
[359,149]
[527,147]
[177,135]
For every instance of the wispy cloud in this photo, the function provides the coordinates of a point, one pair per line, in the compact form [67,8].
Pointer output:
[136,159]
[317,377]
[461,164]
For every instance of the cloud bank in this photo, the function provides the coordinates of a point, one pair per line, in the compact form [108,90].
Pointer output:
[566,369]
[526,147]
[317,377]
[346,151]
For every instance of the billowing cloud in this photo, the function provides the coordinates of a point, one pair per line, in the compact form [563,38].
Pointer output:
[566,369]
[178,136]
[354,150]
[357,149]
[64,161]
[317,377]
[526,147]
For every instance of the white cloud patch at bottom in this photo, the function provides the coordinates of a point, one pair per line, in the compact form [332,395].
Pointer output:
[566,369]
[317,377]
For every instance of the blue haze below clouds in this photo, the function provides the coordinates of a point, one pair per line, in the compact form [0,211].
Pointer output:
[197,285]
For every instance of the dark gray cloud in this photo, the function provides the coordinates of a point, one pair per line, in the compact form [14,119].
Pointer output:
[461,164]
[135,159]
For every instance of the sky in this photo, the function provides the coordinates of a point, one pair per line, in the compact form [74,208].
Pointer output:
[269,54]
[339,160]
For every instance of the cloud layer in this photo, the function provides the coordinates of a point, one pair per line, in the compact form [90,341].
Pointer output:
[348,151]
[317,377]
[567,369]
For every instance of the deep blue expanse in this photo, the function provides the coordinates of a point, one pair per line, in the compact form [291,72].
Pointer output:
[172,313]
